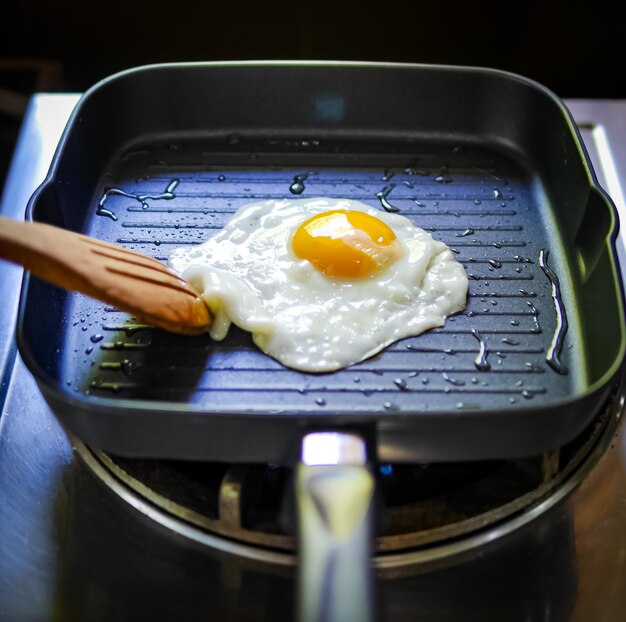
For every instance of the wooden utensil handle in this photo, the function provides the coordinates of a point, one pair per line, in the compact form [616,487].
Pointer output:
[115,275]
[42,249]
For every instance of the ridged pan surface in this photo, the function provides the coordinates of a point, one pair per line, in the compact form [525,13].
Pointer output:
[521,345]
[493,353]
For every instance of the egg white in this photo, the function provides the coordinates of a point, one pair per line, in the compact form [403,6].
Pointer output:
[249,275]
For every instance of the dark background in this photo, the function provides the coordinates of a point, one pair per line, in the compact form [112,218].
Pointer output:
[577,49]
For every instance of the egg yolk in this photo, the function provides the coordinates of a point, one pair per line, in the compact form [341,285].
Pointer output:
[346,243]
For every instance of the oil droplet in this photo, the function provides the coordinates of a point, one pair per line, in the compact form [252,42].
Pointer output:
[400,383]
[298,187]
[382,197]
[480,362]
[390,406]
[453,381]
[535,313]
[412,169]
[128,367]
[141,198]
[553,355]
[510,342]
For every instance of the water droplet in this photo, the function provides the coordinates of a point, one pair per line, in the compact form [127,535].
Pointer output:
[221,178]
[96,338]
[320,401]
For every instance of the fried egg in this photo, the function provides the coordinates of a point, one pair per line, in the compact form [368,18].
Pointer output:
[323,283]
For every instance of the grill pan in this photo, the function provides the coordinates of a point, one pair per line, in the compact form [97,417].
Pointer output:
[488,162]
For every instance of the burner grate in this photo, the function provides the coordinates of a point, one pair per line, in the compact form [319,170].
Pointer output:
[422,504]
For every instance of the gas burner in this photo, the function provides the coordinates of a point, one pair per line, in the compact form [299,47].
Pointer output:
[426,510]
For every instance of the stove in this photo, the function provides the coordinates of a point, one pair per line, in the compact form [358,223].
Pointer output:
[88,536]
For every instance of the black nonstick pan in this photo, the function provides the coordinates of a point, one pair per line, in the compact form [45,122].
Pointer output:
[488,162]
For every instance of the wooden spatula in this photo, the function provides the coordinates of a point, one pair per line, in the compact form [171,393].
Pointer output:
[123,278]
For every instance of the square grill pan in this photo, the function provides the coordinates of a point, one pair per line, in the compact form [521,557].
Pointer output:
[487,162]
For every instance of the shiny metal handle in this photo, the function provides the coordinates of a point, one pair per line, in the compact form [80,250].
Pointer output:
[334,490]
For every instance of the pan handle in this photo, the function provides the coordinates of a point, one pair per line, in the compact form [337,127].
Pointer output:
[334,491]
